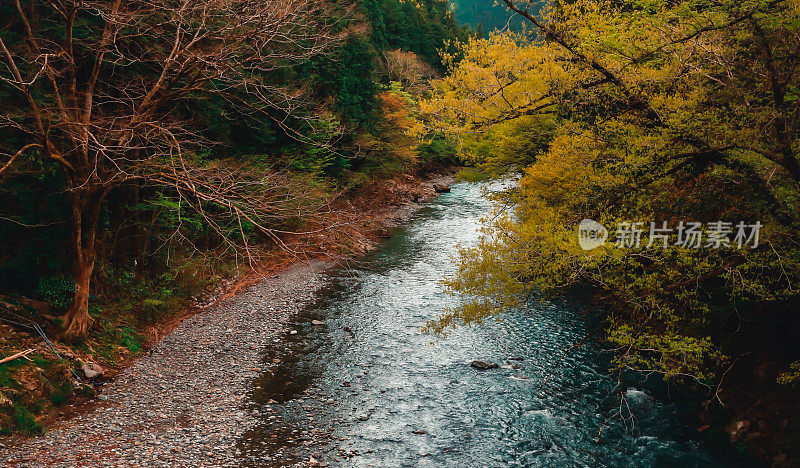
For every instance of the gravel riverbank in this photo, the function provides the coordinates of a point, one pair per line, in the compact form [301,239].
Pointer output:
[182,404]
[185,402]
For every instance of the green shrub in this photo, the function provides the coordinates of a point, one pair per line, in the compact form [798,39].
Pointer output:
[154,309]
[62,393]
[25,421]
[58,291]
[440,150]
[130,339]
[58,399]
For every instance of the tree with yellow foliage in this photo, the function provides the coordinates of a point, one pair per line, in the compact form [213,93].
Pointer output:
[637,111]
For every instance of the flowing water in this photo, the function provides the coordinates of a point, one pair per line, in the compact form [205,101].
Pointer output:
[378,392]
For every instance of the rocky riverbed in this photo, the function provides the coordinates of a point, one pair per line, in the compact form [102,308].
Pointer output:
[182,404]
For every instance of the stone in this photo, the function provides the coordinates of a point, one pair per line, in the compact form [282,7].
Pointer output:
[483,365]
[441,188]
[737,429]
[317,323]
[91,370]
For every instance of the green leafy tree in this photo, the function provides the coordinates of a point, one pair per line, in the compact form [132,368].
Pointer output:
[357,88]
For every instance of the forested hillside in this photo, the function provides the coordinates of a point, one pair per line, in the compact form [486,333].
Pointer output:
[487,16]
[151,149]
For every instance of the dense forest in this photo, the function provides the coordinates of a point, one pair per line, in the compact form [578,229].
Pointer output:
[150,150]
[135,134]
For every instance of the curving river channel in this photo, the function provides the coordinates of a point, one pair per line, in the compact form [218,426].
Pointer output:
[367,388]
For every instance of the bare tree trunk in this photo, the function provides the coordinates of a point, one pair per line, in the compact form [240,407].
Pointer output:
[76,319]
[85,213]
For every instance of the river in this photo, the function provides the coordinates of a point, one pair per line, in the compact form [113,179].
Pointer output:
[367,388]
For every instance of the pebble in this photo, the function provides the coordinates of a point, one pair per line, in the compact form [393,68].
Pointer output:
[198,363]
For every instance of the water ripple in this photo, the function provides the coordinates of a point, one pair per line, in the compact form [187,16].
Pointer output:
[413,400]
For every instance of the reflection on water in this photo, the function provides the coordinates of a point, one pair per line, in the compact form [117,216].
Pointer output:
[368,389]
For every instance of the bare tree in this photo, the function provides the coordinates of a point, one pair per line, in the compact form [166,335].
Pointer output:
[410,70]
[100,83]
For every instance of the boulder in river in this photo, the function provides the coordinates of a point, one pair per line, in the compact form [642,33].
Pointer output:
[483,365]
[317,323]
[441,188]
